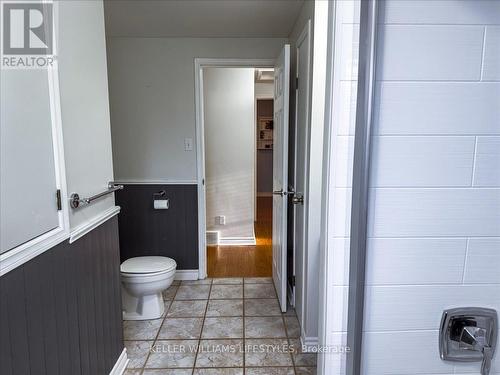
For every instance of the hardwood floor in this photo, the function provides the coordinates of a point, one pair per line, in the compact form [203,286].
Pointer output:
[246,261]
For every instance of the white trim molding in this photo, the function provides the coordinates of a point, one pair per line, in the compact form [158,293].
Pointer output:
[121,364]
[93,223]
[237,241]
[199,64]
[156,182]
[186,275]
[309,344]
[22,254]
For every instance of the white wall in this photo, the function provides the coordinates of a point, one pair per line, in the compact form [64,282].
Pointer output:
[434,214]
[152,100]
[84,104]
[264,90]
[229,110]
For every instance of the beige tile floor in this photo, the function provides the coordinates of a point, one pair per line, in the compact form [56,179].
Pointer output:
[225,326]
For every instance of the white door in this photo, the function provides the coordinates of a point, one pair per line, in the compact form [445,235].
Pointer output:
[28,173]
[280,170]
[301,142]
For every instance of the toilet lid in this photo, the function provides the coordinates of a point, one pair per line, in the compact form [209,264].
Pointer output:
[147,265]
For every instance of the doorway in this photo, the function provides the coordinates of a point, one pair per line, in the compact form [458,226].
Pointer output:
[280,134]
[238,136]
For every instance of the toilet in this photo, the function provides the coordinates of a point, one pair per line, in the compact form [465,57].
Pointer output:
[143,281]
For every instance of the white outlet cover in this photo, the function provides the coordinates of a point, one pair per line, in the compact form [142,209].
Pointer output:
[188,144]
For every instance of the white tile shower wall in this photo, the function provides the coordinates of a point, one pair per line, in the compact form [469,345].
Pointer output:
[434,221]
[434,108]
[487,161]
[491,64]
[441,12]
[435,53]
[483,261]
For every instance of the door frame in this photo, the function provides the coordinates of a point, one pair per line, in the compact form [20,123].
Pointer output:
[304,35]
[199,64]
[353,305]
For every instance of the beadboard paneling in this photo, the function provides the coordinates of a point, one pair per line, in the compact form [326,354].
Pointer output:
[61,312]
[172,233]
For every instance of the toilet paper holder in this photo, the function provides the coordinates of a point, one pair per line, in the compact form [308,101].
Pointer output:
[160,200]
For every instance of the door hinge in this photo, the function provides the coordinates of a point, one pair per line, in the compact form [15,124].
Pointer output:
[58,200]
[292,281]
[296,82]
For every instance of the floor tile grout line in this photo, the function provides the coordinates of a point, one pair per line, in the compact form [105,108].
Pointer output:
[244,333]
[244,337]
[202,326]
[159,330]
[224,338]
[289,342]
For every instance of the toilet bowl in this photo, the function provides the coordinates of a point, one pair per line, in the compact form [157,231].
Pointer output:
[143,281]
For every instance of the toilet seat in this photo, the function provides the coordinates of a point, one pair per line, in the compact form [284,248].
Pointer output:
[147,265]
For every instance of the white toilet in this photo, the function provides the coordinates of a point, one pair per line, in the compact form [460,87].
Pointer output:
[143,281]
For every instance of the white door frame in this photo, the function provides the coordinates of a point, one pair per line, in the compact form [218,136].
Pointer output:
[304,35]
[332,306]
[199,64]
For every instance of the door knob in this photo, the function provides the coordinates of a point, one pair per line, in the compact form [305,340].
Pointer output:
[298,198]
[468,335]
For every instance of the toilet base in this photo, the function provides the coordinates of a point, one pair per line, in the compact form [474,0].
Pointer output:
[142,308]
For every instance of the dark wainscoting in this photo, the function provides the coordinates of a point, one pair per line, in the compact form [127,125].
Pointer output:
[172,233]
[60,313]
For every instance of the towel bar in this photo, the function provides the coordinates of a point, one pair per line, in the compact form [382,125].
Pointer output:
[76,201]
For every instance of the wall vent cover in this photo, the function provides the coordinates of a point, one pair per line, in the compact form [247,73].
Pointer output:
[213,238]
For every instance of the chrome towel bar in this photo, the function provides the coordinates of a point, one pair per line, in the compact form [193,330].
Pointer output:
[75,201]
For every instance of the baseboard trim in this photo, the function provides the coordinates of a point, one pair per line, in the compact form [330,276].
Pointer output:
[121,364]
[186,275]
[309,344]
[93,223]
[237,241]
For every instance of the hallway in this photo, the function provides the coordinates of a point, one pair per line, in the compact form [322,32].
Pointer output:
[246,261]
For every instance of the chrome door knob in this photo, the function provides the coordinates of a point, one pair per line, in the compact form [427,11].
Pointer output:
[279,192]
